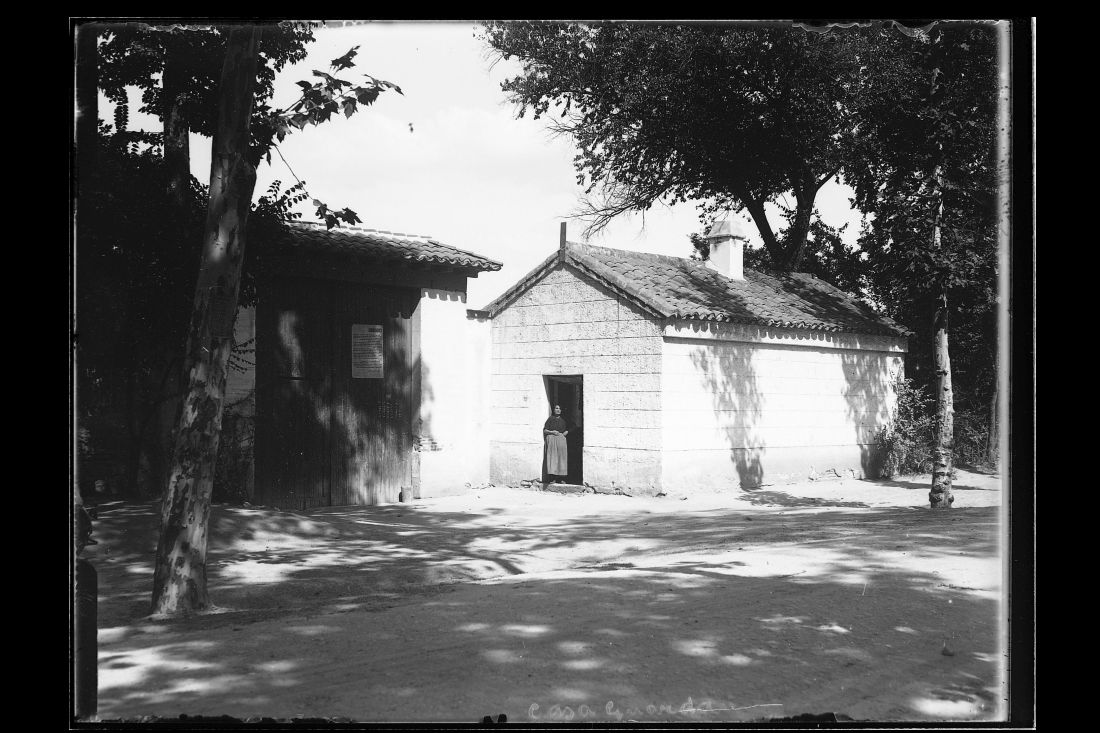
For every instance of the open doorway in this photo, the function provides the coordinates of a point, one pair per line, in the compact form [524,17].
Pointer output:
[568,392]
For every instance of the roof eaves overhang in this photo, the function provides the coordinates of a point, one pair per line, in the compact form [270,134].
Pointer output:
[760,331]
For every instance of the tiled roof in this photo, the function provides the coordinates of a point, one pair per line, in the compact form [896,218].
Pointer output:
[381,245]
[677,287]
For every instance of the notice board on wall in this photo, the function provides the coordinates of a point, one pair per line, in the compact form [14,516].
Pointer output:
[367,361]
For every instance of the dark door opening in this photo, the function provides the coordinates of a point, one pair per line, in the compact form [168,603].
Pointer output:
[568,392]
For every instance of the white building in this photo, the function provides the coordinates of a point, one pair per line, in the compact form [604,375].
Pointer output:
[367,378]
[680,375]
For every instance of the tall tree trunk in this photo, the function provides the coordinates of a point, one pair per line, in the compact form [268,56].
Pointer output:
[993,447]
[943,439]
[943,436]
[177,153]
[179,582]
[755,207]
[800,228]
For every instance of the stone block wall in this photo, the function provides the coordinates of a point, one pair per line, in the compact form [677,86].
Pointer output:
[567,324]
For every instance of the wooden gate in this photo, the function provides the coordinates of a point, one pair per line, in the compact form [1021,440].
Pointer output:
[334,418]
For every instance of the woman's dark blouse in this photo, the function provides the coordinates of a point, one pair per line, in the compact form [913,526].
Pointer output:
[556,423]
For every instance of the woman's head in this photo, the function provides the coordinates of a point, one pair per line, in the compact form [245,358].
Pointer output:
[557,410]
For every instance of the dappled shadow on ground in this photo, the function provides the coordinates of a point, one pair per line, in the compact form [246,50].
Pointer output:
[796,611]
[924,483]
[773,497]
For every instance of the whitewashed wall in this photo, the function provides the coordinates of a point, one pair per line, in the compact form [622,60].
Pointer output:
[454,395]
[745,406]
[568,324]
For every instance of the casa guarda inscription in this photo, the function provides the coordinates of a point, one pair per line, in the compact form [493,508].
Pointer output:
[613,711]
[366,351]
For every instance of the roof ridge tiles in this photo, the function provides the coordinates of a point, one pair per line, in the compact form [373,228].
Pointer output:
[680,287]
[378,243]
[354,228]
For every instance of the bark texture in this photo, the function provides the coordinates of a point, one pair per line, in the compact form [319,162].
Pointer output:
[800,227]
[993,451]
[943,438]
[179,584]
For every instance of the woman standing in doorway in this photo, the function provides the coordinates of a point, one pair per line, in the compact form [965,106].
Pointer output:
[557,452]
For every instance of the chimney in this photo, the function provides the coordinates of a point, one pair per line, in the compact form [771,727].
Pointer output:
[727,249]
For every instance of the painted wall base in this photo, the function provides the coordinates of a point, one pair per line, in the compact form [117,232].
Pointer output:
[514,462]
[450,472]
[721,470]
[636,472]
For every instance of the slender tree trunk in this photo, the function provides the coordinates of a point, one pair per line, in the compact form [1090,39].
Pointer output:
[755,207]
[943,440]
[800,228]
[179,583]
[994,445]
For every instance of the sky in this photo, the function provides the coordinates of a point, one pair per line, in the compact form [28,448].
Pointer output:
[450,158]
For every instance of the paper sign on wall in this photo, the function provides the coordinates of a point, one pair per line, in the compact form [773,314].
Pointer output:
[366,351]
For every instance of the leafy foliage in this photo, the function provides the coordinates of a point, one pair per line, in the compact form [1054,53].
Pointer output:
[932,140]
[905,441]
[826,256]
[318,102]
[135,278]
[138,256]
[727,116]
[922,153]
[136,54]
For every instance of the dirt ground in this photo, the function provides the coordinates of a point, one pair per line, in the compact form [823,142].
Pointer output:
[848,597]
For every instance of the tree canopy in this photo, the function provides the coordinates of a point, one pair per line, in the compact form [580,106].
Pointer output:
[727,116]
[928,154]
[166,62]
[139,249]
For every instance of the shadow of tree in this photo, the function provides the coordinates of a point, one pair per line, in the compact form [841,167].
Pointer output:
[771,497]
[730,373]
[641,626]
[921,483]
[869,402]
[325,436]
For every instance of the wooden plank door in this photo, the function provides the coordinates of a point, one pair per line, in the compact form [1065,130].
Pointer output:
[371,418]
